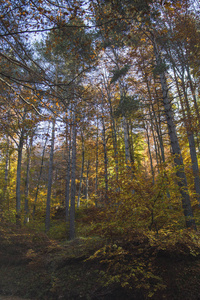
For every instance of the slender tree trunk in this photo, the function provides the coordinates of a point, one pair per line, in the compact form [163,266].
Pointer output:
[5,188]
[105,156]
[149,150]
[113,126]
[40,174]
[159,133]
[131,143]
[178,160]
[188,126]
[97,163]
[82,170]
[50,178]
[193,93]
[124,121]
[68,176]
[73,181]
[158,130]
[87,182]
[26,206]
[126,142]
[154,139]
[18,185]
[157,123]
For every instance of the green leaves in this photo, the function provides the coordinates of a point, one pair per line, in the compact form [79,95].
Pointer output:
[158,69]
[127,105]
[118,73]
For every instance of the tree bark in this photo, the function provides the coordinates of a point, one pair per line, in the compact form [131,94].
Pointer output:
[105,152]
[188,126]
[26,206]
[73,181]
[40,174]
[87,182]
[82,170]
[50,178]
[68,176]
[149,150]
[18,184]
[97,163]
[178,160]
[6,176]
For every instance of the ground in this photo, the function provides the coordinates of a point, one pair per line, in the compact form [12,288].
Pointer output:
[33,266]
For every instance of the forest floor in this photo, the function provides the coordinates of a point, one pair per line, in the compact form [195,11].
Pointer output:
[33,266]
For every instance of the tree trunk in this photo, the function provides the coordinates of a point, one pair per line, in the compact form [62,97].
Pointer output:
[105,153]
[149,150]
[178,160]
[82,170]
[97,163]
[126,142]
[87,183]
[5,188]
[18,184]
[73,181]
[26,207]
[114,131]
[50,178]
[193,93]
[40,174]
[188,126]
[68,176]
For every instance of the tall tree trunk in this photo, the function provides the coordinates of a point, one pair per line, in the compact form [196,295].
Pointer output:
[18,184]
[131,143]
[126,142]
[73,181]
[188,126]
[157,123]
[40,174]
[87,182]
[68,175]
[5,188]
[105,151]
[154,138]
[178,160]
[26,206]
[193,93]
[124,121]
[97,163]
[149,150]
[50,178]
[82,170]
[113,126]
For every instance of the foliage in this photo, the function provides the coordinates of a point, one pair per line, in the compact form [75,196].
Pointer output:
[125,266]
[117,74]
[120,79]
[127,106]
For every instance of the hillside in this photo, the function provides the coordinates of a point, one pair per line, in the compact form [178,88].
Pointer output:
[135,266]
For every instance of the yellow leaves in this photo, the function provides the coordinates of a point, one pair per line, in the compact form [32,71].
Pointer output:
[164,31]
[31,254]
[178,4]
[168,6]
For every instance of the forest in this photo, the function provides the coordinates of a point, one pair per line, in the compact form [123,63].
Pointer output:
[100,149]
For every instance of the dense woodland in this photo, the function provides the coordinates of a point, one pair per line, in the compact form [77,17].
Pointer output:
[100,125]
